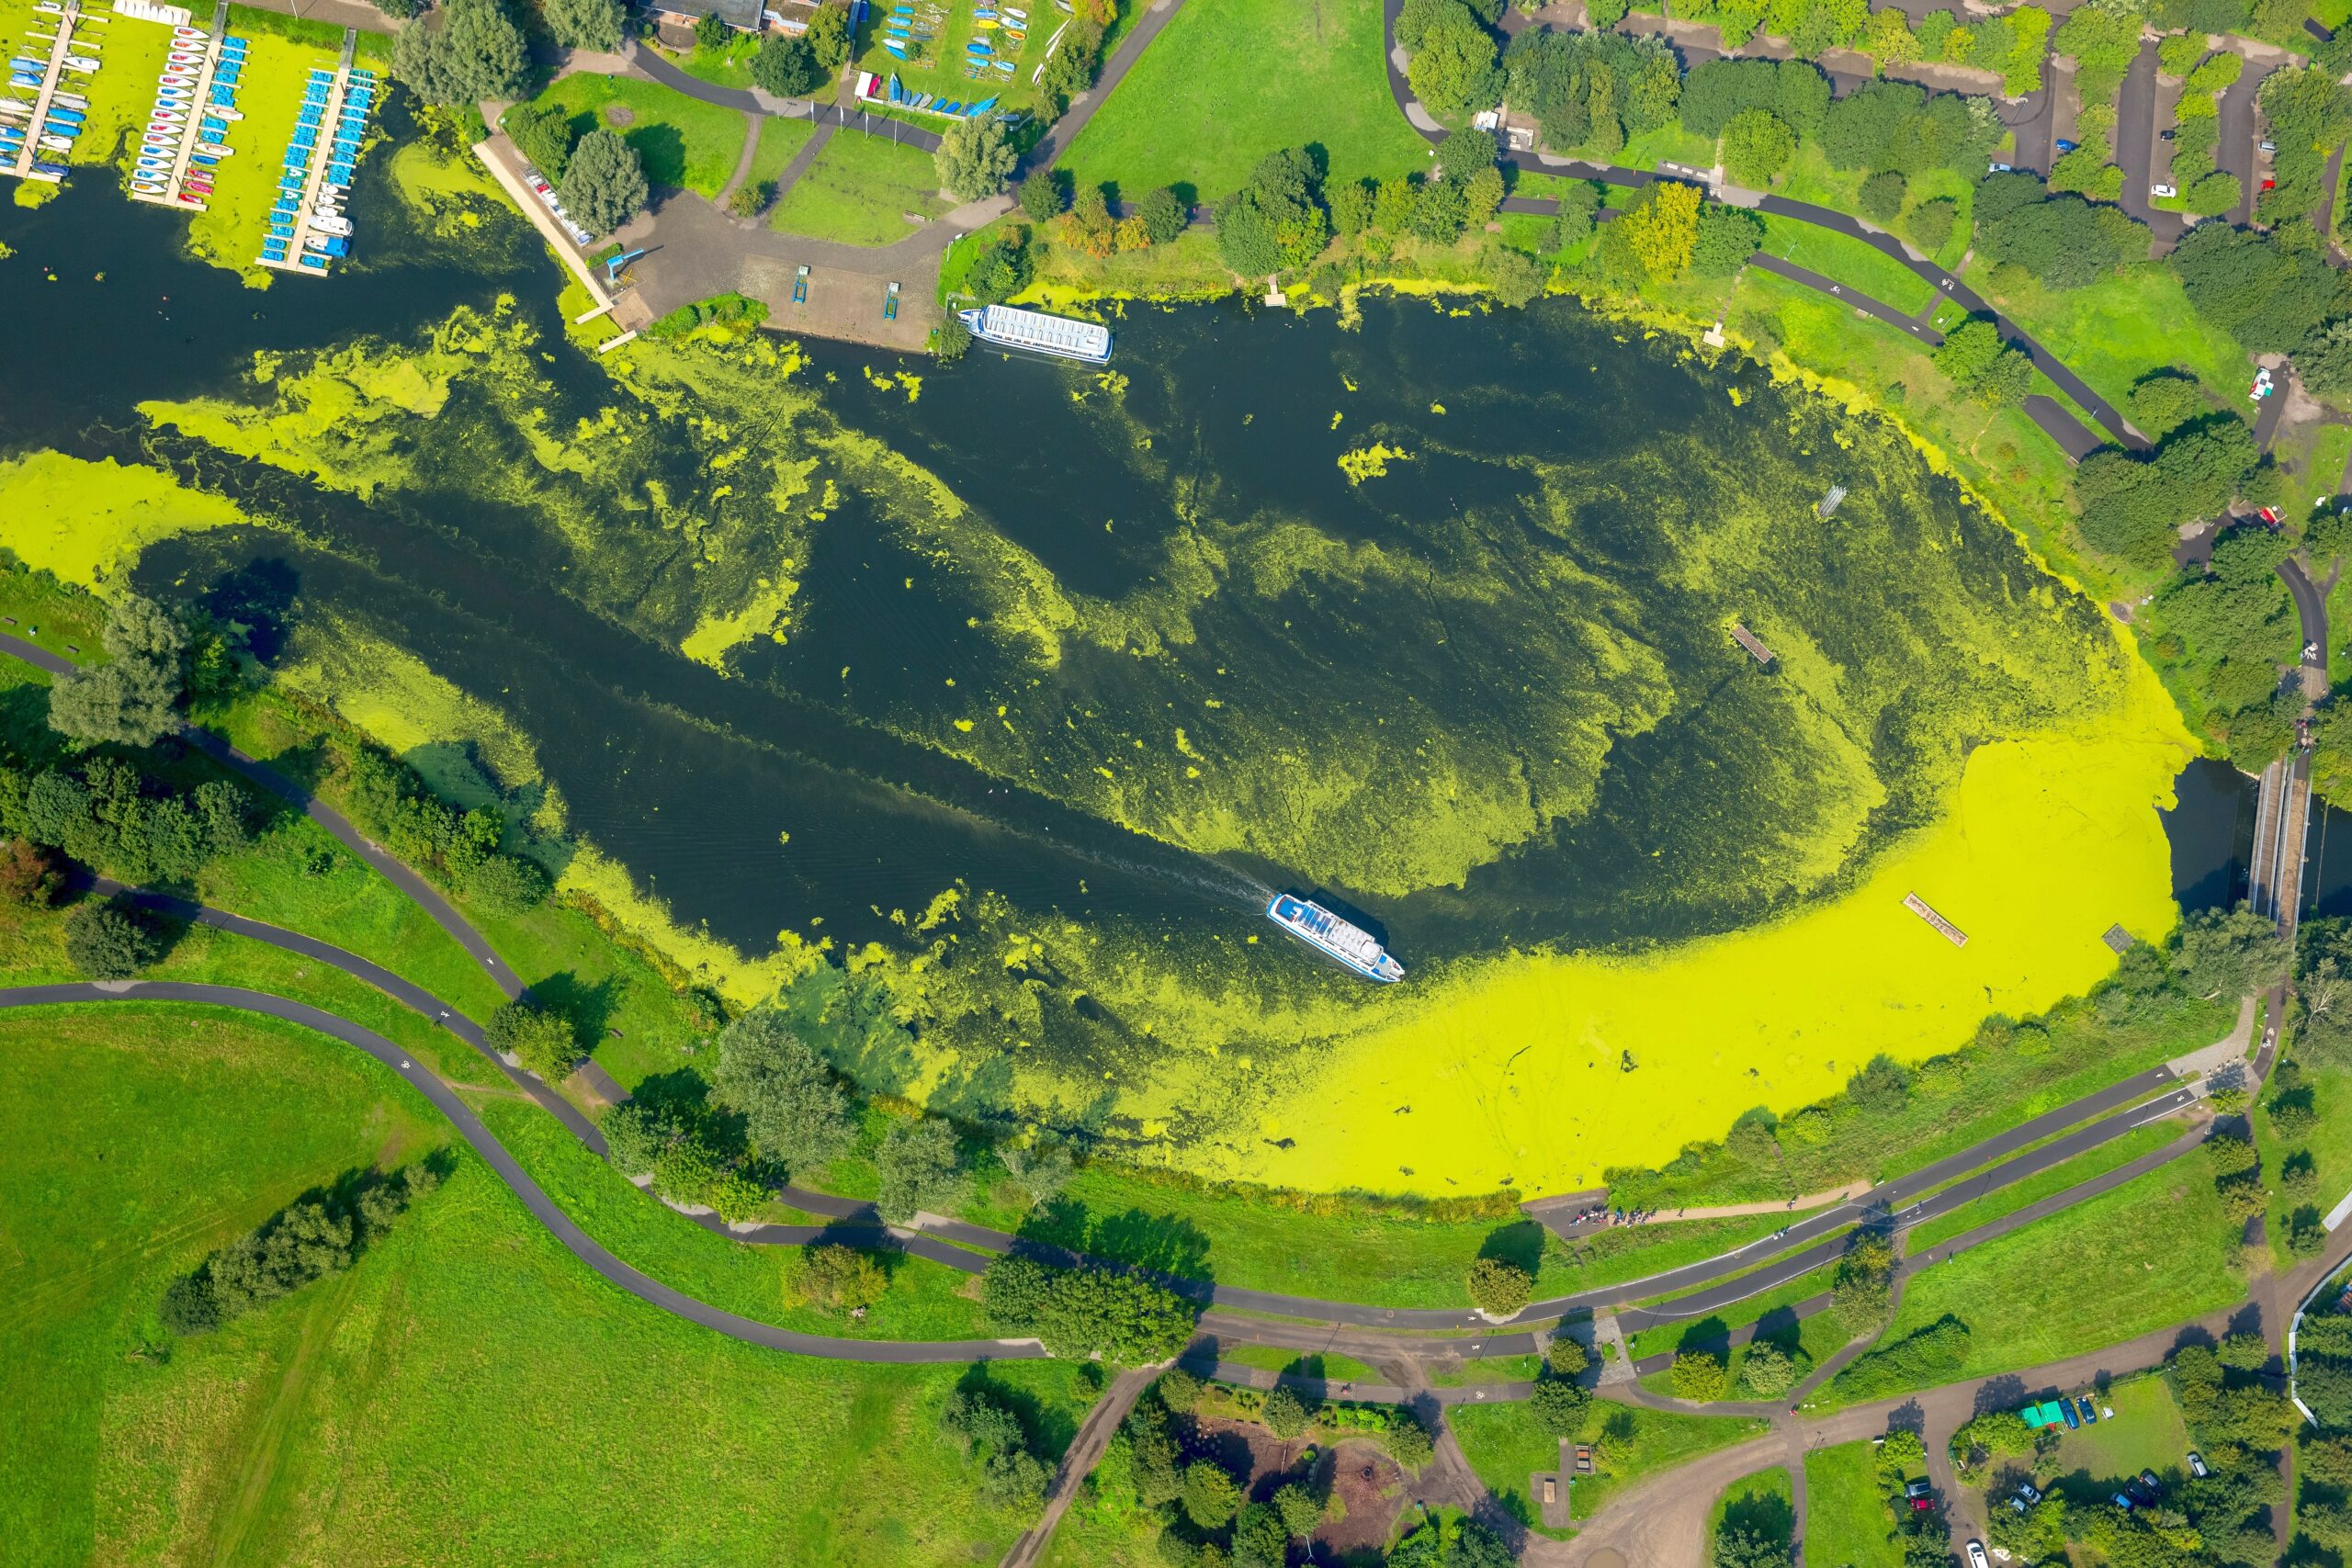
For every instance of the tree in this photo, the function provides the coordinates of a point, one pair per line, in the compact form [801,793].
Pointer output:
[975,159]
[1260,1537]
[2266,290]
[1301,1511]
[1930,223]
[1559,1404]
[477,52]
[1566,1357]
[1517,278]
[1126,1319]
[793,1112]
[919,1168]
[1499,1287]
[828,35]
[544,136]
[543,1041]
[1757,145]
[1453,69]
[1982,364]
[506,885]
[1882,196]
[112,940]
[1579,208]
[1727,237]
[1040,196]
[1657,233]
[589,24]
[1164,215]
[29,876]
[2230,953]
[844,1280]
[1738,1547]
[129,700]
[1700,1375]
[1275,221]
[1210,1497]
[1482,192]
[1039,1169]
[1767,1371]
[2214,195]
[787,67]
[1283,1414]
[604,187]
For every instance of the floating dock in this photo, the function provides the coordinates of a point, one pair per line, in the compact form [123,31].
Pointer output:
[1920,908]
[24,158]
[317,171]
[215,89]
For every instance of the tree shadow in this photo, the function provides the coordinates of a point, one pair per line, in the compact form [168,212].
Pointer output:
[1520,1244]
[1761,1514]
[1710,1335]
[1780,1326]
[259,600]
[591,1006]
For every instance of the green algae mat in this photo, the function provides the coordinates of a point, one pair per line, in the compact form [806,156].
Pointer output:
[979,708]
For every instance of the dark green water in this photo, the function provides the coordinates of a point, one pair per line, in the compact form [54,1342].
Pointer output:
[1486,699]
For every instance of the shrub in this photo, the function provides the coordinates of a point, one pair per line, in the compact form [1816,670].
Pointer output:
[1283,1414]
[1178,1390]
[506,885]
[1767,1371]
[543,1041]
[1498,1287]
[1566,1357]
[1559,1405]
[1210,1498]
[29,876]
[839,1279]
[1700,1375]
[112,940]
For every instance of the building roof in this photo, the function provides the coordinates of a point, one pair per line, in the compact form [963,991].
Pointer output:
[743,14]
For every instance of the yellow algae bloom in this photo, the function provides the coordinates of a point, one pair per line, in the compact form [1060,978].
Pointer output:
[1542,1072]
[87,522]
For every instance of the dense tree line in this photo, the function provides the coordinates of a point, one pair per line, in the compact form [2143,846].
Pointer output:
[135,825]
[1594,91]
[1118,1315]
[2133,503]
[320,1234]
[476,52]
[391,802]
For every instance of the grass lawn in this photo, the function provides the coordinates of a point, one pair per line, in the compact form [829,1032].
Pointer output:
[467,1387]
[1811,179]
[1244,78]
[1763,1503]
[1666,1336]
[229,231]
[2329,1142]
[2022,1194]
[926,1299]
[2121,327]
[1505,1444]
[1276,1358]
[1846,1522]
[1490,1370]
[686,143]
[780,142]
[2155,1251]
[858,191]
[726,66]
[1849,261]
[1369,1256]
[2146,1433]
[939,63]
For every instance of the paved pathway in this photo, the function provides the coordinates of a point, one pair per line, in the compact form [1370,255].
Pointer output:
[1904,321]
[1085,1451]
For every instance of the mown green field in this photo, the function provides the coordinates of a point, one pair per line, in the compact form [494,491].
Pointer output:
[1763,1505]
[685,143]
[1846,1523]
[2024,1194]
[466,1389]
[2155,1251]
[1505,1445]
[1245,78]
[858,191]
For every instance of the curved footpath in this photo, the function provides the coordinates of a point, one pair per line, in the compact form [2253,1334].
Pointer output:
[493,1154]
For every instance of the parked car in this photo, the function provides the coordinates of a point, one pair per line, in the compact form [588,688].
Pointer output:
[2124,1501]
[2065,146]
[2268,146]
[2197,1465]
[2270,514]
[2029,1491]
[1999,169]
[1976,1555]
[2163,192]
[2148,1479]
[2270,184]
[2090,1411]
[1918,1488]
[2066,1409]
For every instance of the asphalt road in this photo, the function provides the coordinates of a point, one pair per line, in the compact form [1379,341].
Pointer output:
[2235,153]
[543,1208]
[2311,609]
[1764,262]
[2135,132]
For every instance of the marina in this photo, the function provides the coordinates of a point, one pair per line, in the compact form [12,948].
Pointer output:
[308,224]
[196,103]
[37,133]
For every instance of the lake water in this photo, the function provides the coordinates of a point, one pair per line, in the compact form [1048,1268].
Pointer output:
[1429,612]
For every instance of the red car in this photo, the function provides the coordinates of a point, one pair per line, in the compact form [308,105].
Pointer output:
[2269,514]
[2270,184]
